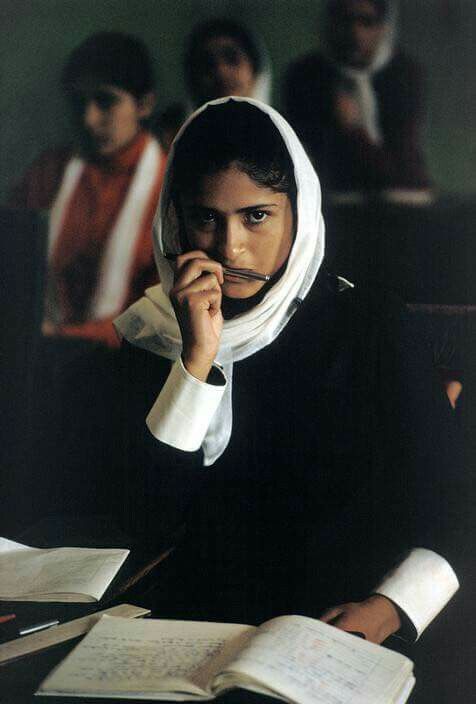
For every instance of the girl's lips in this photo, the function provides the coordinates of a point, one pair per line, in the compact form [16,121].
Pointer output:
[100,141]
[235,279]
[247,274]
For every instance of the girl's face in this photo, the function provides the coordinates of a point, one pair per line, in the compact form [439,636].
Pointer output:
[240,224]
[226,70]
[109,117]
[358,32]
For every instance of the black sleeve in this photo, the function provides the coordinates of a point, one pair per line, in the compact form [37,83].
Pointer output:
[343,158]
[348,158]
[160,482]
[425,486]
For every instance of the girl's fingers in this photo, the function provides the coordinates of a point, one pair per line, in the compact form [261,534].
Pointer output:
[189,268]
[332,614]
[209,300]
[187,256]
[205,283]
[215,302]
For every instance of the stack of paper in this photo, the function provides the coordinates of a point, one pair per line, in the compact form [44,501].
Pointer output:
[56,574]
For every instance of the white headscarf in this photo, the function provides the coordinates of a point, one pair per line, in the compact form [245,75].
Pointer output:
[150,323]
[264,80]
[362,78]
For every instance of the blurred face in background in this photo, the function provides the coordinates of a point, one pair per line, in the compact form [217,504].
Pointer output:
[108,118]
[357,29]
[226,70]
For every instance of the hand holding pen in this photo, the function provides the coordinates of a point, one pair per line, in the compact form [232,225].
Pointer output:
[196,297]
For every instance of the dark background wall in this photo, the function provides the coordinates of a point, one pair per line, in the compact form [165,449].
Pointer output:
[39,34]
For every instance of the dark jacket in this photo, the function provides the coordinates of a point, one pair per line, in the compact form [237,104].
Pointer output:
[350,161]
[343,455]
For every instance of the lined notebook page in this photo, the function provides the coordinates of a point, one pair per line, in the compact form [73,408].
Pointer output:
[313,663]
[119,656]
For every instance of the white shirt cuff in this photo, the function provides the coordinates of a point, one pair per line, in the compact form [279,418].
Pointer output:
[421,586]
[184,409]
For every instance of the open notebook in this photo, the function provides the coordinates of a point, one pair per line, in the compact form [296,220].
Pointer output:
[293,658]
[56,574]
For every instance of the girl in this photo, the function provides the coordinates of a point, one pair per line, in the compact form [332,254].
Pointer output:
[300,405]
[101,193]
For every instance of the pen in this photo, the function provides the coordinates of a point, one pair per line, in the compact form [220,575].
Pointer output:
[240,273]
[37,627]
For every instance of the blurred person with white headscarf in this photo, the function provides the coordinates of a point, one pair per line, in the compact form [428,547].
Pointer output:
[222,57]
[357,105]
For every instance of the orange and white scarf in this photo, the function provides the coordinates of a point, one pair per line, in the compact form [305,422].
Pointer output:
[112,284]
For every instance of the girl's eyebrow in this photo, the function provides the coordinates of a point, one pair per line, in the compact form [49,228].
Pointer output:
[245,209]
[258,206]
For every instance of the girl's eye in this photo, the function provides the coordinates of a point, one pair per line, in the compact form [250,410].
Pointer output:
[203,218]
[105,100]
[256,217]
[207,218]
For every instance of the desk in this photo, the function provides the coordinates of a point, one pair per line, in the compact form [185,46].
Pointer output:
[444,657]
[20,679]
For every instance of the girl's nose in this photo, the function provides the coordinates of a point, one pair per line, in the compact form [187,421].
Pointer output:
[92,115]
[232,241]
